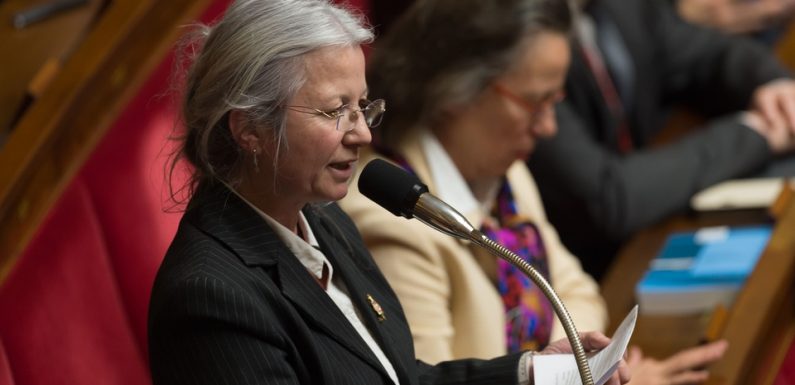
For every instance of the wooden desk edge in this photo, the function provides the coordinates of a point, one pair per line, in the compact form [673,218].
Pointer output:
[56,136]
[762,301]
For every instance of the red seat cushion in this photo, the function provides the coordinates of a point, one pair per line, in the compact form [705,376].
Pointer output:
[786,374]
[62,319]
[125,180]
[5,369]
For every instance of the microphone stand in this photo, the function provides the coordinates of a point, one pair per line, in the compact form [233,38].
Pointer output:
[438,215]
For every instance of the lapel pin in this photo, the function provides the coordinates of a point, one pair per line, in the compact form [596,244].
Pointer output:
[376,308]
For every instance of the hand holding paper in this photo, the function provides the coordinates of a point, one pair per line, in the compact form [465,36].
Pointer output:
[561,369]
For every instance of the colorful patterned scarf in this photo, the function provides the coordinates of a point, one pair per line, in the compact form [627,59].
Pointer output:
[528,313]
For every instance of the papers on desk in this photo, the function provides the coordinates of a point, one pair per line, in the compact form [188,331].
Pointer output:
[754,193]
[561,369]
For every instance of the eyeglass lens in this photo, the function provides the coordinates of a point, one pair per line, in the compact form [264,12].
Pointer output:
[373,112]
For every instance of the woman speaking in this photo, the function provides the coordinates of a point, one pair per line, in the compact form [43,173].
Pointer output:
[266,281]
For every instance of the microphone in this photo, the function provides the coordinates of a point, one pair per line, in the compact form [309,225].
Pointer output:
[404,195]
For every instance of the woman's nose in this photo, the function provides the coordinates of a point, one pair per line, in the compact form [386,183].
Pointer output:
[359,134]
[545,124]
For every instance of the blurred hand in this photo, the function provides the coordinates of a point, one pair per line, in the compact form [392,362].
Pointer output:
[591,341]
[780,139]
[735,16]
[775,101]
[685,367]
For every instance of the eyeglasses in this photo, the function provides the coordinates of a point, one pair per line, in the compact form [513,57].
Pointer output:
[530,106]
[373,112]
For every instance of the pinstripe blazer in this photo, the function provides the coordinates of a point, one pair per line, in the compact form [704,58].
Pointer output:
[232,305]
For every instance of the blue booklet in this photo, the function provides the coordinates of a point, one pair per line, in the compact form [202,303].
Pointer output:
[696,271]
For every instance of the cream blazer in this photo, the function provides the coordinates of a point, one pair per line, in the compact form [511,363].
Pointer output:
[446,286]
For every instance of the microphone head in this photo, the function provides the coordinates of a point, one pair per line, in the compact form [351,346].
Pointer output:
[391,187]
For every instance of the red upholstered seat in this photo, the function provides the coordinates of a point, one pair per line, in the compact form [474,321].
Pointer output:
[73,309]
[63,318]
[786,374]
[125,180]
[5,369]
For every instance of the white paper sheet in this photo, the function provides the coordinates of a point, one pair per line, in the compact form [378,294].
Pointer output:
[561,369]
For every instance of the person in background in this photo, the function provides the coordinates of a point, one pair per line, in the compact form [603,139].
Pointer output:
[600,178]
[267,281]
[472,85]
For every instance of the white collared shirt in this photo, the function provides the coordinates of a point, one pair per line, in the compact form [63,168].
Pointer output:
[308,253]
[448,182]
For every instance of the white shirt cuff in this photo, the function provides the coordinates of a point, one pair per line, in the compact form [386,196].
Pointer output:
[525,370]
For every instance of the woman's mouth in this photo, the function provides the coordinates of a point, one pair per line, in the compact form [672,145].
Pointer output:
[343,170]
[342,166]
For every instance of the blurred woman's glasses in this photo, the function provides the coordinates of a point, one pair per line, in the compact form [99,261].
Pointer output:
[533,107]
[373,112]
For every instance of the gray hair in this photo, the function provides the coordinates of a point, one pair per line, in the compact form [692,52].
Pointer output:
[443,53]
[253,60]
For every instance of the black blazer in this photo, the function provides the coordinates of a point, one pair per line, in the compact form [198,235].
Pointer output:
[232,305]
[596,196]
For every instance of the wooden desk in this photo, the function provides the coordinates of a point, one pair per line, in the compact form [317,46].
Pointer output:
[50,142]
[27,49]
[760,325]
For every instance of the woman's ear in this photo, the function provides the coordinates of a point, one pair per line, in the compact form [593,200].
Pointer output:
[243,131]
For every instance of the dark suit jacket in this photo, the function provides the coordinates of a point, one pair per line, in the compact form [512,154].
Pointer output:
[594,195]
[232,305]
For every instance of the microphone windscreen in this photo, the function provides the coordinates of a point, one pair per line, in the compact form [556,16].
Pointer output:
[391,187]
